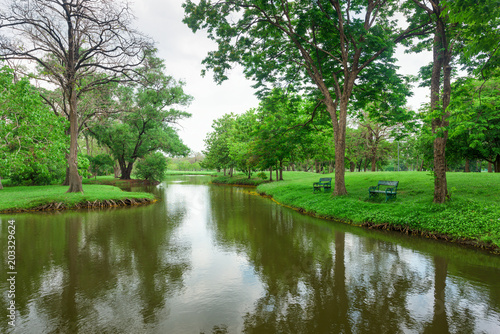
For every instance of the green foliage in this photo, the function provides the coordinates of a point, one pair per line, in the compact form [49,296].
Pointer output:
[146,124]
[101,164]
[217,144]
[262,175]
[32,139]
[475,120]
[152,167]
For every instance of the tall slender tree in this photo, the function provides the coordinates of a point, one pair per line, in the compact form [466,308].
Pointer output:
[72,40]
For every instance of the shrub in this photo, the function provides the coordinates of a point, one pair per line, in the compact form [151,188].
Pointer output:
[262,175]
[152,167]
[101,164]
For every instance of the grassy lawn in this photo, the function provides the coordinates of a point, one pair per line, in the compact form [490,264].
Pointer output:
[27,197]
[473,213]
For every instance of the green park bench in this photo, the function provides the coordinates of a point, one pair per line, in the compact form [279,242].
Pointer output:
[390,189]
[324,182]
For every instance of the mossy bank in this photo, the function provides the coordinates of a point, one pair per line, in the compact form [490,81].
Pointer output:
[471,216]
[45,198]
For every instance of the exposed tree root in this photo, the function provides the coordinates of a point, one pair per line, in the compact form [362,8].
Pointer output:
[97,204]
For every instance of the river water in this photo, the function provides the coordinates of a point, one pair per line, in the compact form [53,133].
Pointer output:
[212,259]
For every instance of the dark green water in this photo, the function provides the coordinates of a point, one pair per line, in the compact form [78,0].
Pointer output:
[218,259]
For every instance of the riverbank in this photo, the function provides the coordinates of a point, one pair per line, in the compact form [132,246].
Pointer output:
[54,197]
[238,180]
[472,216]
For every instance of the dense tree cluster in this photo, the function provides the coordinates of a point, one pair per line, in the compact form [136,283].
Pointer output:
[341,53]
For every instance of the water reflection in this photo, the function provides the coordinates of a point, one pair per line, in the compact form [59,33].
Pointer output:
[96,272]
[217,259]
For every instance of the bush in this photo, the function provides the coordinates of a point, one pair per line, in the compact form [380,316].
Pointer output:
[262,175]
[101,164]
[152,167]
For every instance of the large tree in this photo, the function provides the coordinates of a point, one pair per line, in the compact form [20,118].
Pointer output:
[72,40]
[217,144]
[148,114]
[323,44]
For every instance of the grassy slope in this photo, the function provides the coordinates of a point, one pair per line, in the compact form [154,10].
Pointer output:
[34,196]
[473,212]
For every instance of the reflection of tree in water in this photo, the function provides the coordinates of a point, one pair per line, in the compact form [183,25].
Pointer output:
[320,281]
[304,280]
[109,265]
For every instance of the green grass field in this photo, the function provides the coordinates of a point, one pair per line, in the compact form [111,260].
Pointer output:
[28,197]
[473,212]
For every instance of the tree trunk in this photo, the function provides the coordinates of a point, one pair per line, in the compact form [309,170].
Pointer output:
[497,164]
[277,175]
[467,168]
[66,178]
[249,173]
[224,171]
[116,170]
[352,167]
[127,171]
[75,180]
[316,165]
[1,186]
[374,163]
[271,174]
[441,58]
[293,167]
[490,167]
[281,171]
[89,150]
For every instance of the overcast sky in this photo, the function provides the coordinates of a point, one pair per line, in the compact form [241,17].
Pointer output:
[183,52]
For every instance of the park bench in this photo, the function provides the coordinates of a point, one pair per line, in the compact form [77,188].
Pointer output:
[324,182]
[390,189]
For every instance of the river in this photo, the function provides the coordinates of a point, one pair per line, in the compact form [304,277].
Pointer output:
[218,259]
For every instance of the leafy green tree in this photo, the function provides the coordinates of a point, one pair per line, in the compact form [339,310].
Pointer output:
[152,167]
[325,45]
[72,41]
[32,139]
[145,125]
[283,124]
[101,164]
[242,142]
[480,42]
[217,144]
[475,114]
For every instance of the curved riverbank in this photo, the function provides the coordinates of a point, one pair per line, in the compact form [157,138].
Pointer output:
[471,217]
[50,198]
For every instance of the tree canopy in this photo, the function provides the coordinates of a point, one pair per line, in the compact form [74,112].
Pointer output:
[319,45]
